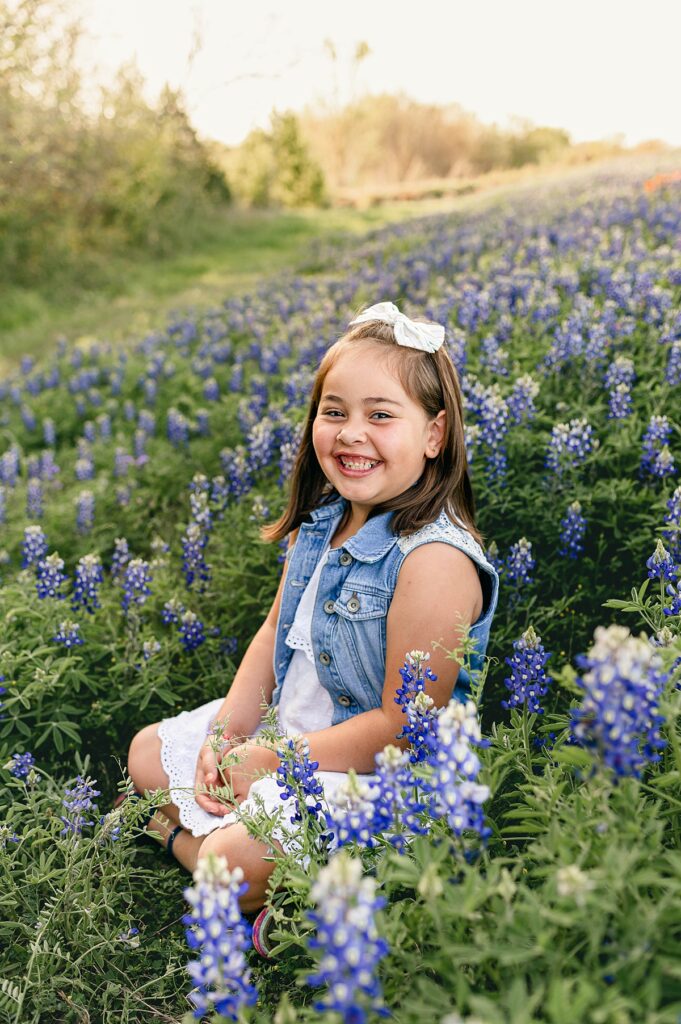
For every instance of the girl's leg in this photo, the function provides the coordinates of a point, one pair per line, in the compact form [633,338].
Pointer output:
[242,850]
[146,771]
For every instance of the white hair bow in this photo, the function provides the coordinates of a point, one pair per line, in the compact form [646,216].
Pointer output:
[426,337]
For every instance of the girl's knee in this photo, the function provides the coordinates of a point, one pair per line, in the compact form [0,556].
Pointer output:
[144,759]
[241,850]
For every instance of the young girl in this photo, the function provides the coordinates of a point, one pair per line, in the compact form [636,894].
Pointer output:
[384,557]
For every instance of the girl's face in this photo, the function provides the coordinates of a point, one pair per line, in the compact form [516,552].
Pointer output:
[385,436]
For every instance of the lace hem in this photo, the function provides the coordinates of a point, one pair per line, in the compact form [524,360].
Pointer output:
[299,642]
[444,530]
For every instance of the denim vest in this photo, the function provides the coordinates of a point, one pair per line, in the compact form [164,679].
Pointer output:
[356,587]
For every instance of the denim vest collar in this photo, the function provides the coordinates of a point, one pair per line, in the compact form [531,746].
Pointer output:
[372,541]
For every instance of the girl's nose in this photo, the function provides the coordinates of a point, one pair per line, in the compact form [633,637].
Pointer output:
[349,434]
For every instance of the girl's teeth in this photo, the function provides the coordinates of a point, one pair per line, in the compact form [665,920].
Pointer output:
[357,465]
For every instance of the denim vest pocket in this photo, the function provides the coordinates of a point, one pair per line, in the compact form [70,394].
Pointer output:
[360,638]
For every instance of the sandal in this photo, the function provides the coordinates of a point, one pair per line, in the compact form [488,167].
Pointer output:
[263,924]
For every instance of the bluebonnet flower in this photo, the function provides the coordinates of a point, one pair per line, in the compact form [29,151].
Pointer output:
[150,648]
[620,402]
[528,680]
[211,390]
[7,836]
[89,432]
[620,371]
[159,550]
[288,453]
[472,434]
[622,681]
[85,511]
[78,802]
[572,529]
[259,509]
[673,371]
[9,466]
[420,729]
[296,778]
[672,520]
[139,442]
[520,563]
[202,423]
[237,470]
[493,357]
[352,811]
[50,577]
[229,645]
[492,556]
[111,827]
[34,499]
[88,577]
[192,633]
[121,555]
[348,940]
[136,580]
[661,566]
[122,462]
[34,546]
[48,467]
[49,432]
[521,400]
[260,444]
[28,417]
[68,634]
[656,459]
[84,468]
[172,610]
[122,495]
[104,424]
[193,563]
[494,415]
[236,381]
[673,590]
[569,446]
[3,507]
[20,765]
[177,428]
[455,793]
[217,930]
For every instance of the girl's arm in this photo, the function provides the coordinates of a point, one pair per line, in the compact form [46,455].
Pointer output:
[437,595]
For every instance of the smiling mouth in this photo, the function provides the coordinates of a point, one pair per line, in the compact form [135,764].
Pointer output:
[358,465]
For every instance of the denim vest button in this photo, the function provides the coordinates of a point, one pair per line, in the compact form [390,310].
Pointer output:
[329,607]
[324,658]
[353,604]
[345,558]
[344,700]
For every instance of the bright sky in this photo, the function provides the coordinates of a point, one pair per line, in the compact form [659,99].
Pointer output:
[594,67]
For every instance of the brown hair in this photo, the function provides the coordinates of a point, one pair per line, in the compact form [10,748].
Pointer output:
[430,379]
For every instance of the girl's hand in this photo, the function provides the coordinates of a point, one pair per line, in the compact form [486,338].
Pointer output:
[243,767]
[208,774]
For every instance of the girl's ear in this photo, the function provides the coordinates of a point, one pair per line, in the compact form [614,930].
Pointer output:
[436,432]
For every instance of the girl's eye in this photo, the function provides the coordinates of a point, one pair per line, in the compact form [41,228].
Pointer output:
[385,414]
[331,412]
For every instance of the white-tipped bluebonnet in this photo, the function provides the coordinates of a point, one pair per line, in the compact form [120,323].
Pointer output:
[347,939]
[119,558]
[7,836]
[104,424]
[78,802]
[296,778]
[472,434]
[528,680]
[455,794]
[192,632]
[50,577]
[420,728]
[237,471]
[660,565]
[672,374]
[89,575]
[259,509]
[49,432]
[619,718]
[34,499]
[172,610]
[85,511]
[177,428]
[492,556]
[493,421]
[150,648]
[620,402]
[122,462]
[520,563]
[217,930]
[34,546]
[84,468]
[136,580]
[656,459]
[9,466]
[211,390]
[572,530]
[68,634]
[28,417]
[521,400]
[569,446]
[20,765]
[194,565]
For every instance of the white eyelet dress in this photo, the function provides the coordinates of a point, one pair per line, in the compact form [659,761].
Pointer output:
[304,707]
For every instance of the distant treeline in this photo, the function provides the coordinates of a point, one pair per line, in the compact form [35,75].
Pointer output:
[76,183]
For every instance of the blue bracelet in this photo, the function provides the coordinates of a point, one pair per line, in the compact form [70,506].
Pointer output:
[171,840]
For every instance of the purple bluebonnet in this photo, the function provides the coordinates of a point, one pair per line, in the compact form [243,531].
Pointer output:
[192,631]
[28,417]
[104,424]
[660,565]
[296,778]
[237,471]
[177,428]
[202,423]
[672,520]
[20,765]
[216,929]
[656,459]
[89,575]
[78,802]
[7,836]
[528,680]
[472,432]
[261,444]
[172,610]
[120,557]
[84,468]
[85,511]
[455,794]
[3,505]
[672,374]
[569,446]
[619,718]
[136,580]
[9,466]
[620,402]
[347,939]
[68,634]
[572,529]
[493,356]
[521,400]
[50,577]
[34,546]
[49,432]
[520,563]
[492,556]
[34,499]
[194,564]
[493,421]
[418,706]
[211,390]
[122,462]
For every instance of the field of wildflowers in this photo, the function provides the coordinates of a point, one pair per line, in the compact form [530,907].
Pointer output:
[528,864]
